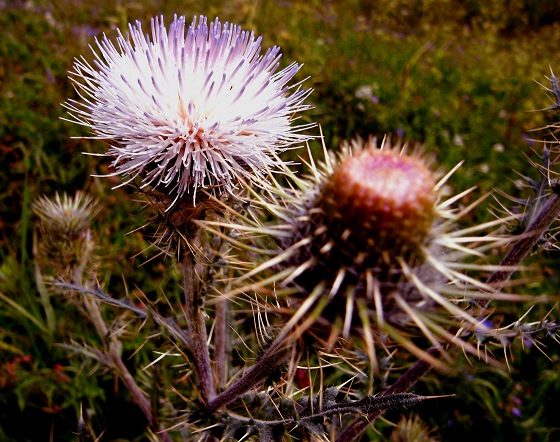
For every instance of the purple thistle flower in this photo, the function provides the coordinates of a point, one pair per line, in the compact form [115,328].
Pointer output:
[193,107]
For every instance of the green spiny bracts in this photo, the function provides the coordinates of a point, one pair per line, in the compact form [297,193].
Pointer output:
[65,245]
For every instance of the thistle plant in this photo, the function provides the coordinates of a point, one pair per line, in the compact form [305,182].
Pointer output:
[302,294]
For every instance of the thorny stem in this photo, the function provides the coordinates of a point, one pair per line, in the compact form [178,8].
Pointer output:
[276,355]
[353,431]
[197,328]
[113,350]
[520,249]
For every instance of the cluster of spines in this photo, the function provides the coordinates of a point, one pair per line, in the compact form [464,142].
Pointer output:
[372,235]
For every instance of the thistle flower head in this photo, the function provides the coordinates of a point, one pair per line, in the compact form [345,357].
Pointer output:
[372,237]
[194,106]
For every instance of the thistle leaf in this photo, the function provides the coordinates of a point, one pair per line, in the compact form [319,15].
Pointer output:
[369,404]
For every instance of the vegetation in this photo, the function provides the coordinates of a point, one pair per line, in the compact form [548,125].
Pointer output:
[457,77]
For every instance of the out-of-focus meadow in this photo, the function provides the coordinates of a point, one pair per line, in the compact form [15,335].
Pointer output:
[457,76]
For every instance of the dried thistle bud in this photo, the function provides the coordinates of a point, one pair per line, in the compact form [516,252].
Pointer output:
[64,245]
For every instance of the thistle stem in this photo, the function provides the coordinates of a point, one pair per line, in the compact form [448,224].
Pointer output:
[138,395]
[520,249]
[197,328]
[514,256]
[221,341]
[113,351]
[92,307]
[353,431]
[278,352]
[276,355]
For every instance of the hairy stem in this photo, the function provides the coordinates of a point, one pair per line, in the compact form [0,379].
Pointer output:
[221,342]
[197,328]
[518,252]
[276,355]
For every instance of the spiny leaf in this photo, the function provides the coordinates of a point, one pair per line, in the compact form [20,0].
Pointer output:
[368,405]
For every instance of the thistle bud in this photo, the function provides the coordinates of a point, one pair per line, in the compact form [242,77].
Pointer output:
[370,212]
[378,205]
[374,236]
[65,244]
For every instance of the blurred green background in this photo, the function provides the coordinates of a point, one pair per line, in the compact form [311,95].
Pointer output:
[457,76]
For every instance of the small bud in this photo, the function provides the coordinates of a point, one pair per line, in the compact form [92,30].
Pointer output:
[412,429]
[65,244]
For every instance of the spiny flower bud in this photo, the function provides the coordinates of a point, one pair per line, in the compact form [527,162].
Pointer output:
[378,205]
[64,246]
[369,243]
[367,214]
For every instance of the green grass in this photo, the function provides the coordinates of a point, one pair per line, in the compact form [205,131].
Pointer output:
[458,79]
